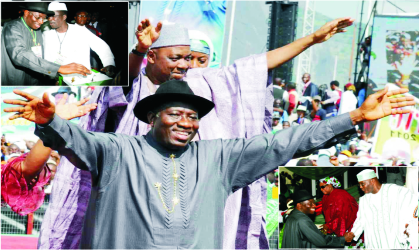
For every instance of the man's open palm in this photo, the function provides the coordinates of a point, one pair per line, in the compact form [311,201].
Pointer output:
[383,103]
[147,34]
[69,111]
[331,28]
[33,109]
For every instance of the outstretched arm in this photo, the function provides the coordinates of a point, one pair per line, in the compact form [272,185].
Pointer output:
[381,104]
[247,159]
[38,156]
[97,149]
[281,55]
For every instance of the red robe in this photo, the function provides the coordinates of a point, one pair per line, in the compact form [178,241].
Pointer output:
[22,197]
[340,211]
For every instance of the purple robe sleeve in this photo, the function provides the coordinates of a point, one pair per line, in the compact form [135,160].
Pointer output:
[243,108]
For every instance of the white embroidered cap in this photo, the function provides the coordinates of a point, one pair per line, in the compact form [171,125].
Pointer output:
[57,6]
[366,175]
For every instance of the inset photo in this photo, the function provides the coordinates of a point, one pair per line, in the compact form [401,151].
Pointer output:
[355,207]
[64,44]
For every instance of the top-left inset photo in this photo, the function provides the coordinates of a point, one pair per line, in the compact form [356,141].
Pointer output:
[64,43]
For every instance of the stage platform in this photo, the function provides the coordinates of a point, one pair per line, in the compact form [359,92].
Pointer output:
[18,241]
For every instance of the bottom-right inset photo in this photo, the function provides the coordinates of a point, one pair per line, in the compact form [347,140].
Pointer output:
[349,207]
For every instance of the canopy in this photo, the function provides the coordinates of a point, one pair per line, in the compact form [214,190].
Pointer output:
[317,173]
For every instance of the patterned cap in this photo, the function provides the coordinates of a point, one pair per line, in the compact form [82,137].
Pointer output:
[331,180]
[172,35]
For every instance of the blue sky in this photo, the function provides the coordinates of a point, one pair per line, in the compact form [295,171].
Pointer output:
[338,8]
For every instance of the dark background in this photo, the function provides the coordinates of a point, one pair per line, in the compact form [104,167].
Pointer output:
[113,14]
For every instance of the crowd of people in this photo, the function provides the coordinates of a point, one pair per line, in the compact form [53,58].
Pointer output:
[176,133]
[58,44]
[314,104]
[385,217]
[29,159]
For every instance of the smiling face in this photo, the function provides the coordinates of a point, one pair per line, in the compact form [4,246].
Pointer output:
[307,207]
[366,186]
[175,127]
[168,63]
[34,19]
[306,78]
[326,188]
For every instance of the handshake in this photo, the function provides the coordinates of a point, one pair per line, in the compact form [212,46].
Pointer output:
[348,236]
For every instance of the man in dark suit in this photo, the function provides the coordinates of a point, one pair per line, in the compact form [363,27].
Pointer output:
[309,89]
[22,60]
[301,232]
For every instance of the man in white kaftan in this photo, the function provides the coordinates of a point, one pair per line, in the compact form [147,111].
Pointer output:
[71,42]
[384,211]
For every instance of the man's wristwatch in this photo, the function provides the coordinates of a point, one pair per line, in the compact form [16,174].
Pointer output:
[136,52]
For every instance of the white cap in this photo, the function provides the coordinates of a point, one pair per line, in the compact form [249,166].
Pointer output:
[57,6]
[301,108]
[366,175]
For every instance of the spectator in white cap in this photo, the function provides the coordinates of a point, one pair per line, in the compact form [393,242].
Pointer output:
[384,212]
[301,111]
[72,43]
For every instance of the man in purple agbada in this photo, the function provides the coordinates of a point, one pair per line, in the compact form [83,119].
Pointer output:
[243,107]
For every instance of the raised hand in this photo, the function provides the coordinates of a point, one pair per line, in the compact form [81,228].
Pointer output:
[331,28]
[147,34]
[72,110]
[383,103]
[33,109]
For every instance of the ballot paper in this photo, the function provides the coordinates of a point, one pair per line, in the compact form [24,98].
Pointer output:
[91,79]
